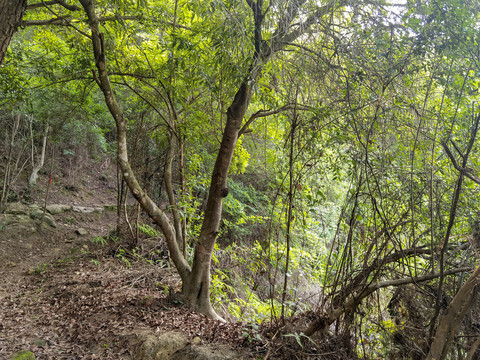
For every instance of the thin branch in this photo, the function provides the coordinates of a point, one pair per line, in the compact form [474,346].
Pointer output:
[117,18]
[264,113]
[66,20]
[281,37]
[318,54]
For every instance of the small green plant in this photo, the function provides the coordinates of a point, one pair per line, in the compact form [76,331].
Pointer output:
[148,230]
[95,262]
[64,261]
[251,332]
[122,255]
[41,268]
[99,240]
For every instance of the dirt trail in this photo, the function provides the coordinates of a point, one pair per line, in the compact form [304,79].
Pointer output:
[63,296]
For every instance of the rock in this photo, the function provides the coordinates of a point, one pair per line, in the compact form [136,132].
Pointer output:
[160,347]
[217,352]
[17,219]
[84,209]
[81,231]
[44,217]
[16,209]
[24,355]
[58,209]
[19,225]
[39,342]
[175,346]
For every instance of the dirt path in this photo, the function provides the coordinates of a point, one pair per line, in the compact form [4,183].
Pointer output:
[29,245]
[65,297]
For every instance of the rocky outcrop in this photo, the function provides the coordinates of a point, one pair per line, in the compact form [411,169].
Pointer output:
[176,346]
[87,209]
[42,216]
[58,208]
[21,215]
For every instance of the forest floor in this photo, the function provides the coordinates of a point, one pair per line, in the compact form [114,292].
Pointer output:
[64,296]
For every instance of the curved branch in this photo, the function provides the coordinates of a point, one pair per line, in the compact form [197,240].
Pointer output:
[281,37]
[263,113]
[145,201]
[324,320]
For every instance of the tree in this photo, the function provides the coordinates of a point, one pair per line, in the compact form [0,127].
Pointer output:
[196,279]
[11,13]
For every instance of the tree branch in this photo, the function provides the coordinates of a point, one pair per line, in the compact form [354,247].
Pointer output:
[62,21]
[53,2]
[65,20]
[323,321]
[281,38]
[263,113]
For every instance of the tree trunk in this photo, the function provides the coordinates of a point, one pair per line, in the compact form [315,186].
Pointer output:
[11,13]
[197,288]
[451,321]
[167,177]
[36,168]
[473,349]
[145,201]
[7,176]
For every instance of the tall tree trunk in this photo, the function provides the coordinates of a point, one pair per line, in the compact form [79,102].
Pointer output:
[36,168]
[145,201]
[167,176]
[11,13]
[197,288]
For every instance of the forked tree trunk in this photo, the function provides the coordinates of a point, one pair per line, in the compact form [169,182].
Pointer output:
[11,13]
[196,280]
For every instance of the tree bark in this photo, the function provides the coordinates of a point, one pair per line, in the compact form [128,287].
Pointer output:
[451,321]
[167,176]
[11,13]
[197,289]
[473,349]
